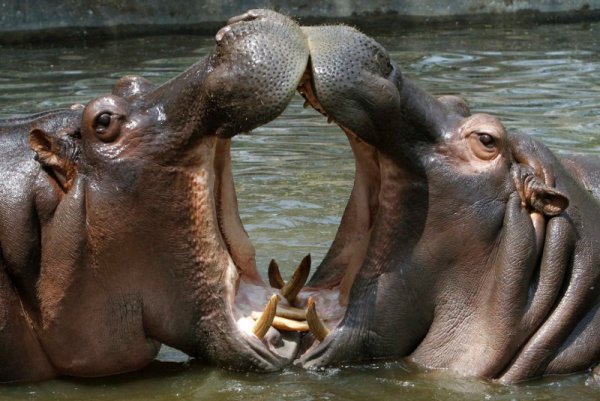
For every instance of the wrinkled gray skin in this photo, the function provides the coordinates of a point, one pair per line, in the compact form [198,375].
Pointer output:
[463,247]
[118,222]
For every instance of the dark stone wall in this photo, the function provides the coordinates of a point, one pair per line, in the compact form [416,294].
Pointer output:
[39,19]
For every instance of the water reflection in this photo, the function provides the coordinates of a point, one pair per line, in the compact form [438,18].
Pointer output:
[384,381]
[294,176]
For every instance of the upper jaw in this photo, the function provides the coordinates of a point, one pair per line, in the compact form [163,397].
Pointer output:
[372,93]
[204,106]
[259,55]
[218,95]
[330,287]
[247,49]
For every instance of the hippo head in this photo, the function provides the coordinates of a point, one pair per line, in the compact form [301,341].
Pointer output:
[141,242]
[436,254]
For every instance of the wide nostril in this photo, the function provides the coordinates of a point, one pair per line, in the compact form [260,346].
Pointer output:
[248,16]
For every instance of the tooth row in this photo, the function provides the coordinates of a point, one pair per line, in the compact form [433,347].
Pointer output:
[289,319]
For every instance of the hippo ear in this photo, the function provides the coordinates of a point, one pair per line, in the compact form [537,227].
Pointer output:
[536,194]
[548,201]
[56,154]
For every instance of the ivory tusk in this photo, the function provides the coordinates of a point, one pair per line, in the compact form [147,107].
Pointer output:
[266,319]
[286,312]
[292,288]
[283,324]
[275,278]
[289,312]
[316,326]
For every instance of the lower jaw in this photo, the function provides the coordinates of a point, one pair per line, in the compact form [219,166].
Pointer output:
[289,323]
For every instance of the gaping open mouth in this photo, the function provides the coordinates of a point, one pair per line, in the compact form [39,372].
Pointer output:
[283,315]
[267,318]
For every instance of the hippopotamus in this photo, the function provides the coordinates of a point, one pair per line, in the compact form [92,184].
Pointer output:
[464,247]
[118,219]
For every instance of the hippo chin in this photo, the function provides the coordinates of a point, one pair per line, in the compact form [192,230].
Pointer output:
[463,247]
[122,232]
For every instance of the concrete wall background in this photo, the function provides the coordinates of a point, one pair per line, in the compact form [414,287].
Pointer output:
[36,19]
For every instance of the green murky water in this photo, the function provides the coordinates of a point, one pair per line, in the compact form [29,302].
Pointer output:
[294,175]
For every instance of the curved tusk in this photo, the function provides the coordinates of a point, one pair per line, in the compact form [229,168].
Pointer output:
[275,278]
[292,288]
[289,312]
[266,319]
[284,324]
[286,312]
[315,325]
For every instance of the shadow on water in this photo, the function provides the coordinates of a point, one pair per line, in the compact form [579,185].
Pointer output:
[294,175]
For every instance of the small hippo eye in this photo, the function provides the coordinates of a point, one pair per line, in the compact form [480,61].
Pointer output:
[103,121]
[104,117]
[487,140]
[107,126]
